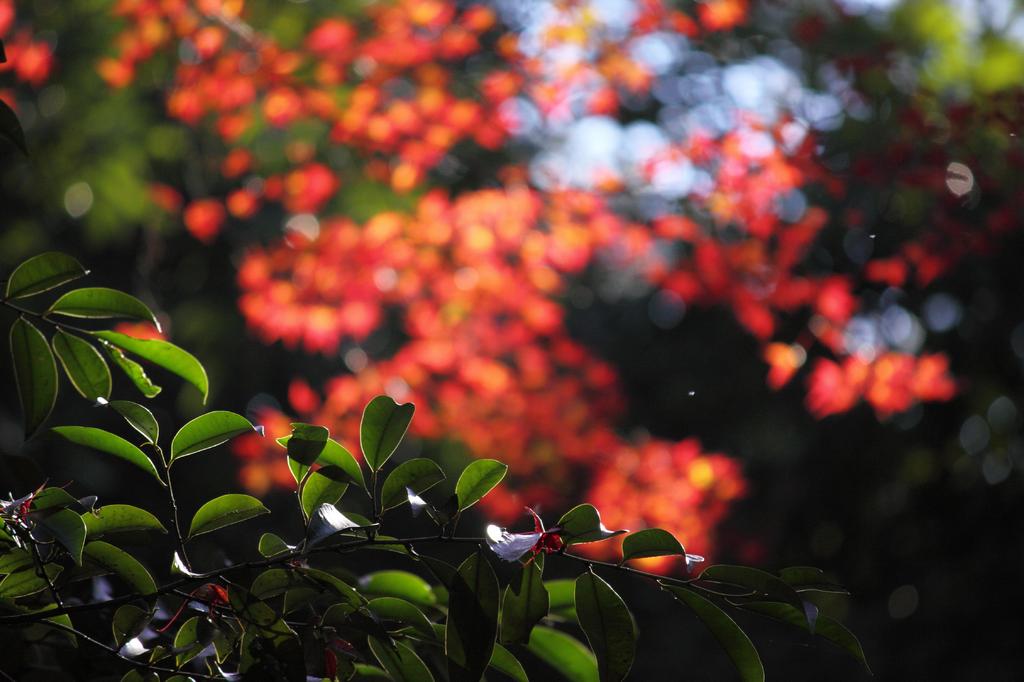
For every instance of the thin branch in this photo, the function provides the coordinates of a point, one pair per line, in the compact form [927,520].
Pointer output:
[46,318]
[117,653]
[301,553]
[173,503]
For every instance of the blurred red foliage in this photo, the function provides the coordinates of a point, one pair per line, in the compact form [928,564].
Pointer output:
[478,281]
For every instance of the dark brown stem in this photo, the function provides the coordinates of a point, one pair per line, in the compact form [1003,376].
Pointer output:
[115,652]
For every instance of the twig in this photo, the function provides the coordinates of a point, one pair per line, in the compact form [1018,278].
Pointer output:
[115,652]
[219,574]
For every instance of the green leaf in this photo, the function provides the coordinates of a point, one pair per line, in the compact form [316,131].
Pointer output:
[401,584]
[564,653]
[225,510]
[325,486]
[110,443]
[326,521]
[306,443]
[191,638]
[272,545]
[369,673]
[478,479]
[504,662]
[137,675]
[339,587]
[122,564]
[22,578]
[650,542]
[101,302]
[207,431]
[163,354]
[119,518]
[583,524]
[42,273]
[825,627]
[755,579]
[401,611]
[138,417]
[810,579]
[334,454]
[472,625]
[128,622]
[420,474]
[401,662]
[608,625]
[53,498]
[10,127]
[83,364]
[562,598]
[737,645]
[133,370]
[274,582]
[525,604]
[35,373]
[382,428]
[68,529]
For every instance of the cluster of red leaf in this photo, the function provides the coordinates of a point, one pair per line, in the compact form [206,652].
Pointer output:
[488,360]
[29,58]
[477,282]
[384,89]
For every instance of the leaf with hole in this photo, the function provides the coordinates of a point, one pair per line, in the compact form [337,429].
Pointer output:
[223,511]
[138,417]
[608,625]
[382,428]
[102,303]
[737,645]
[110,443]
[83,364]
[478,479]
[472,626]
[162,354]
[418,474]
[35,373]
[208,431]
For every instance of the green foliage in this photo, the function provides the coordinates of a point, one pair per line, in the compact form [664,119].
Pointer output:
[298,610]
[478,479]
[382,428]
